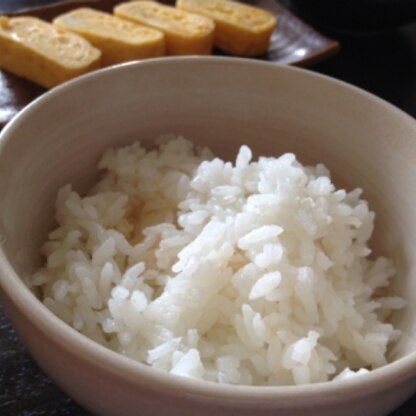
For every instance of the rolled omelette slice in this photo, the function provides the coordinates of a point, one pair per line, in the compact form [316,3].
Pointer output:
[118,39]
[240,29]
[186,33]
[39,51]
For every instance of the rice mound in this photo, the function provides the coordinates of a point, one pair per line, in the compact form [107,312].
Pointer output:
[255,272]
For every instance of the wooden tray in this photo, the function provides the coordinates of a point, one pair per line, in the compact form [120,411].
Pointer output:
[292,43]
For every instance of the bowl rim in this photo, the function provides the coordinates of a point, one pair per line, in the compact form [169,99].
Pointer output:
[34,310]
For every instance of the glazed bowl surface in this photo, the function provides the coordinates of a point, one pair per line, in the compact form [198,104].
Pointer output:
[222,103]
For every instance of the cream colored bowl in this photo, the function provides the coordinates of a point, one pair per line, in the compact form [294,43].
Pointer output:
[222,103]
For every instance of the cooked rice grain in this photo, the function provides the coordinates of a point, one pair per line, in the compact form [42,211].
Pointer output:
[249,273]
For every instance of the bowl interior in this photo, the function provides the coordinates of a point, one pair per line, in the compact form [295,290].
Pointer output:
[221,103]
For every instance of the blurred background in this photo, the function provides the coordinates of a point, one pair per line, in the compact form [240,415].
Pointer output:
[378,44]
[378,54]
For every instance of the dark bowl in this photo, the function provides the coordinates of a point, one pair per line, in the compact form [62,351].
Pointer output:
[357,16]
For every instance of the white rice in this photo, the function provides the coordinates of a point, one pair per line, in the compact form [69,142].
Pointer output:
[255,272]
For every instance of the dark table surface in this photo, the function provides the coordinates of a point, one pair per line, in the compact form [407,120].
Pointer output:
[383,64]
